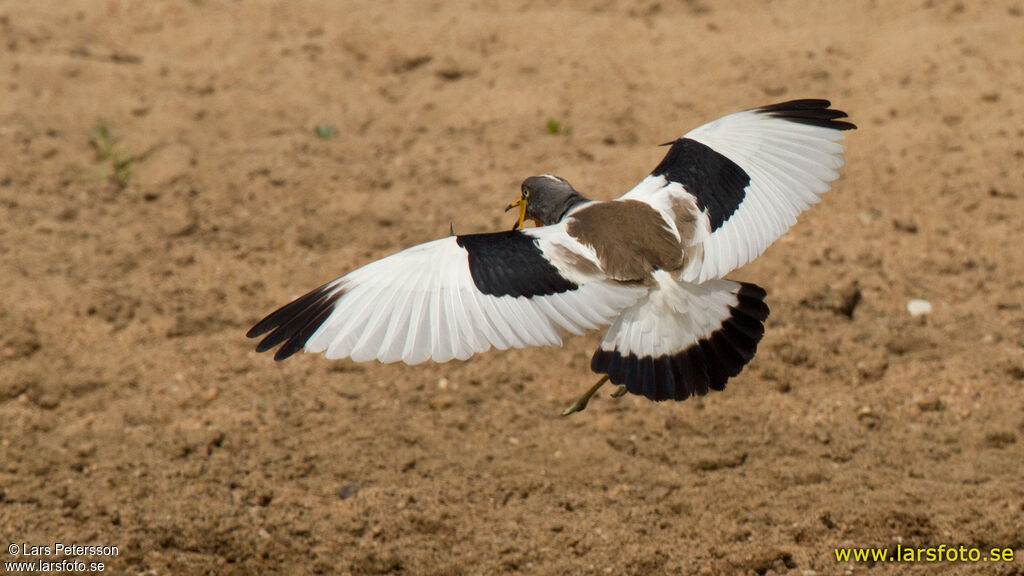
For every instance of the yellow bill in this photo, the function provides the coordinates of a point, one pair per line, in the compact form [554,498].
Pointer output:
[522,212]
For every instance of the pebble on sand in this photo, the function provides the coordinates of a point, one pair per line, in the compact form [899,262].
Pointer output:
[918,307]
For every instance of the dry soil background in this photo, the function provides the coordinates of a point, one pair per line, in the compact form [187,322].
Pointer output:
[162,187]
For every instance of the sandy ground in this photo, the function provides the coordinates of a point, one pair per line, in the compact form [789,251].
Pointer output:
[162,187]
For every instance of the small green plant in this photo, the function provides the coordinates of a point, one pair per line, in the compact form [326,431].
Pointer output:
[326,131]
[102,139]
[122,173]
[105,141]
[555,127]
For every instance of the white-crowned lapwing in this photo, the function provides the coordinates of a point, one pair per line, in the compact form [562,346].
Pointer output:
[649,264]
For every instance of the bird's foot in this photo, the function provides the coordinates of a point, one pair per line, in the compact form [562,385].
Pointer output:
[581,403]
[620,392]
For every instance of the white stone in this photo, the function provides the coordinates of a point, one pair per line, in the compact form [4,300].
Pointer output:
[918,307]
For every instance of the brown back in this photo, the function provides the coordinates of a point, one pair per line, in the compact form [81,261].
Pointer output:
[630,238]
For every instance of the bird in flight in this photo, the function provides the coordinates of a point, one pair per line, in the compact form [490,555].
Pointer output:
[649,265]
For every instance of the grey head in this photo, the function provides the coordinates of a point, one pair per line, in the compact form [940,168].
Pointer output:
[546,199]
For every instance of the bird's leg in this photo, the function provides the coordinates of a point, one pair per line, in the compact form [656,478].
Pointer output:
[581,403]
[620,392]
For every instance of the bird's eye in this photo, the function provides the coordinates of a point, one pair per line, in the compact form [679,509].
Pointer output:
[526,193]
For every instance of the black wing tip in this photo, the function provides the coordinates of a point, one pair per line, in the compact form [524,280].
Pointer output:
[272,320]
[705,365]
[294,323]
[285,352]
[813,111]
[798,104]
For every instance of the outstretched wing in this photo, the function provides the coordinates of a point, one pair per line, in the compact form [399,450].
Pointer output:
[451,298]
[742,180]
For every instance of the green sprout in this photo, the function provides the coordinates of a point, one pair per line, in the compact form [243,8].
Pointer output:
[104,142]
[102,139]
[326,131]
[555,127]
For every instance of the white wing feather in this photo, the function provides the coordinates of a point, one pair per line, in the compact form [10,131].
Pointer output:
[422,304]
